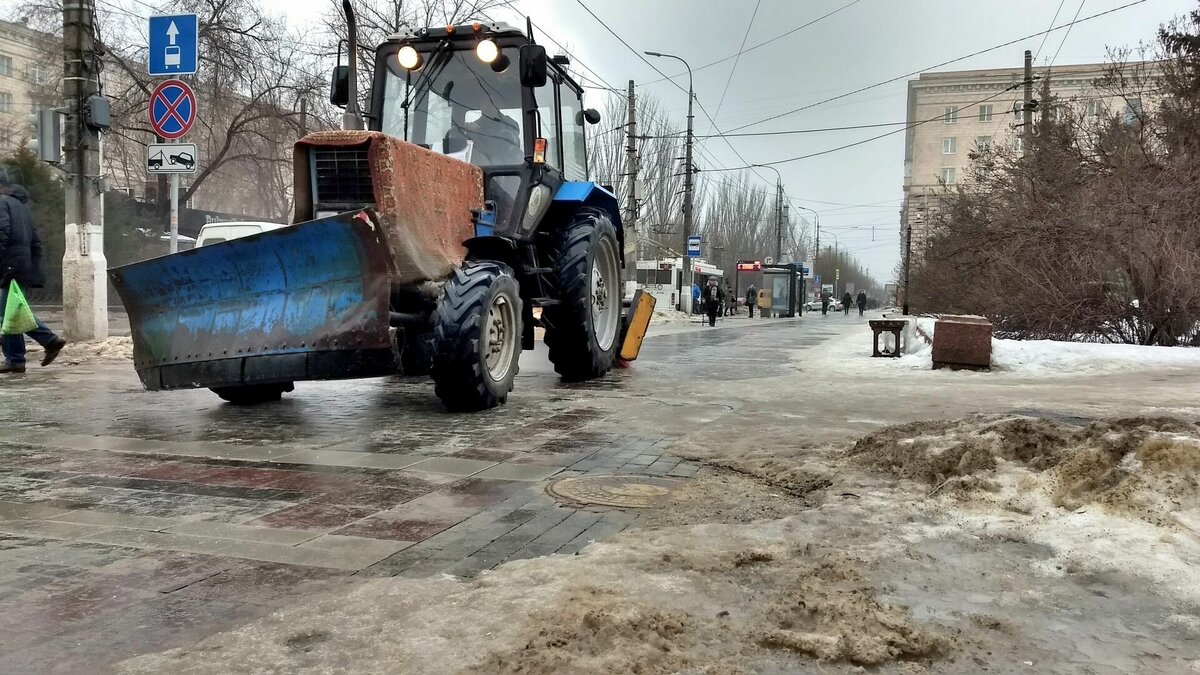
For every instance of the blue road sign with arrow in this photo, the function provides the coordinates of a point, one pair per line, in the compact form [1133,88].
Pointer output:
[173,49]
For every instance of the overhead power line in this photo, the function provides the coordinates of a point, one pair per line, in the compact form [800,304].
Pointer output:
[741,49]
[883,135]
[789,131]
[762,44]
[939,65]
[1065,35]
[1052,20]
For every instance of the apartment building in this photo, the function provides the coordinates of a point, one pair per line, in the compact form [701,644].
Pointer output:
[952,113]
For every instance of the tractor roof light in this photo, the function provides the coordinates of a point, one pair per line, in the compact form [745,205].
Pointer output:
[409,58]
[539,151]
[487,51]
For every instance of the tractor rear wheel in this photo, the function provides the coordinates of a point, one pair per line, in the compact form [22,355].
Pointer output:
[252,394]
[477,337]
[583,330]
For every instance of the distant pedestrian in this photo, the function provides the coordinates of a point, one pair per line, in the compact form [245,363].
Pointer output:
[713,296]
[862,303]
[824,303]
[21,261]
[731,301]
[751,298]
[695,298]
[846,302]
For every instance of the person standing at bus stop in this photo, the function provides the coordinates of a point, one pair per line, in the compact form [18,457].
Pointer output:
[21,262]
[751,297]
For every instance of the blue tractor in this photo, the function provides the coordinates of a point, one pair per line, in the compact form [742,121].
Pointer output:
[358,288]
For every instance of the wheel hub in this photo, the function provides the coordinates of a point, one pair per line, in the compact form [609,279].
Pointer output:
[606,305]
[499,342]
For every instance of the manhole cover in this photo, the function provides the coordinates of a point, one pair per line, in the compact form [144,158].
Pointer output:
[632,492]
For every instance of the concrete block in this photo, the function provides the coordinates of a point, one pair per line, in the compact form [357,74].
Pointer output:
[962,342]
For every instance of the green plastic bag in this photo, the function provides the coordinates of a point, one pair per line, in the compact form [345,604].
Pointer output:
[18,317]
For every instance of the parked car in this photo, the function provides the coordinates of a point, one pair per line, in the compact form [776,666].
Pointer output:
[215,233]
[815,305]
[183,159]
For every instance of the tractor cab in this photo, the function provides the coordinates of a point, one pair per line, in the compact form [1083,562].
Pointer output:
[483,93]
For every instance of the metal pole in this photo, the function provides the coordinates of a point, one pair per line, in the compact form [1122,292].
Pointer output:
[687,188]
[685,299]
[907,263]
[631,171]
[779,220]
[174,213]
[1027,117]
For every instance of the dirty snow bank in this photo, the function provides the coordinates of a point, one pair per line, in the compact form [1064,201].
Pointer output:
[1119,496]
[701,598]
[75,353]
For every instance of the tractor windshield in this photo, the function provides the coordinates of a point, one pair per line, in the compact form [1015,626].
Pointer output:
[456,104]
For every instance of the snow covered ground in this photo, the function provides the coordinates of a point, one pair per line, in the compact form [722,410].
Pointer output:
[1020,358]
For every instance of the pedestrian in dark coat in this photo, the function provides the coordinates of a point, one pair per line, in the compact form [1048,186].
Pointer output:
[751,298]
[846,302]
[862,303]
[714,295]
[824,303]
[21,261]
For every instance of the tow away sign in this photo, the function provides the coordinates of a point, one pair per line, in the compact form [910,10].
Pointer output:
[171,158]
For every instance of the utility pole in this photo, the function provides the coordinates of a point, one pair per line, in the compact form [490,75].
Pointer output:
[907,263]
[85,269]
[779,221]
[631,210]
[1027,108]
[685,299]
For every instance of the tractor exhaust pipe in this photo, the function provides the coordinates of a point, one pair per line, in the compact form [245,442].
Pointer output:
[352,118]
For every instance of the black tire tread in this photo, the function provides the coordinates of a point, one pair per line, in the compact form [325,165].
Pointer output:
[457,373]
[573,349]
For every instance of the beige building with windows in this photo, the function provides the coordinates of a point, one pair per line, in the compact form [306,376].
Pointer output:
[952,113]
[26,85]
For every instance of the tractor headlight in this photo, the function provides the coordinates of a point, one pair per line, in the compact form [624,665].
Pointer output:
[539,201]
[409,58]
[487,51]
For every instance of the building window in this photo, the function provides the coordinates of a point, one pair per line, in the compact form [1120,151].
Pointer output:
[6,102]
[985,113]
[37,74]
[1133,110]
[950,115]
[5,65]
[1095,108]
[949,145]
[1018,145]
[948,175]
[983,142]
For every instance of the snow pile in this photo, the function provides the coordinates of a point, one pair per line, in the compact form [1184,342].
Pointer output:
[76,353]
[1119,496]
[1043,357]
[670,316]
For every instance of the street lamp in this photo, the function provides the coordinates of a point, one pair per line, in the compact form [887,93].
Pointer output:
[685,299]
[817,218]
[779,211]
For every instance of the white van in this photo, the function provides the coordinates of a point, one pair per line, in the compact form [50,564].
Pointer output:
[215,233]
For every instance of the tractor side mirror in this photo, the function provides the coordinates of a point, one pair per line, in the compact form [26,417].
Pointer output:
[592,116]
[339,90]
[533,66]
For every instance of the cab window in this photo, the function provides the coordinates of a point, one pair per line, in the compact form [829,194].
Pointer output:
[574,166]
[547,100]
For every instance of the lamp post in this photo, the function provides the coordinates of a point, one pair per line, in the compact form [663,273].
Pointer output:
[778,211]
[685,298]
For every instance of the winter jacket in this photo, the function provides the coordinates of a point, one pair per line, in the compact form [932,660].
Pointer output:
[847,300]
[862,299]
[20,246]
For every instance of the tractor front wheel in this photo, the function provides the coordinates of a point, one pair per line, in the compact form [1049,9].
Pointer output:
[477,337]
[582,331]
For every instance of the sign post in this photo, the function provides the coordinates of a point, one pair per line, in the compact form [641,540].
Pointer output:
[172,114]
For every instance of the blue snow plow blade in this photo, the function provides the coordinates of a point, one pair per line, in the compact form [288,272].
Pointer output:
[304,302]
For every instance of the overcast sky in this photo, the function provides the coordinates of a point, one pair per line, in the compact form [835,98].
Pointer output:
[867,42]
